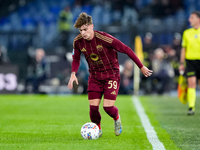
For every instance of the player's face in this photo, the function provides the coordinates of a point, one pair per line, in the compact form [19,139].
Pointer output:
[194,20]
[87,31]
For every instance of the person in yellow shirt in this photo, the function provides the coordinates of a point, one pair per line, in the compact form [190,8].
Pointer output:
[65,23]
[190,58]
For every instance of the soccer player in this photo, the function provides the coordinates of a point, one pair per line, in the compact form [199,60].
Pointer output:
[100,50]
[190,54]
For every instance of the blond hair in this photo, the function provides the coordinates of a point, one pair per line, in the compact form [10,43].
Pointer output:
[82,20]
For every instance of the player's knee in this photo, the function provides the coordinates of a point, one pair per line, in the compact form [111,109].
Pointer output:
[192,84]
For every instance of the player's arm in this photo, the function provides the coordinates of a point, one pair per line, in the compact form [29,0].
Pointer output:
[76,54]
[182,60]
[121,47]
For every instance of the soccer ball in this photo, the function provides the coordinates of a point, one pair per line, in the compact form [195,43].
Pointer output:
[90,131]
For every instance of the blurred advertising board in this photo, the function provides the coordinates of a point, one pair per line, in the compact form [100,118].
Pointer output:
[8,79]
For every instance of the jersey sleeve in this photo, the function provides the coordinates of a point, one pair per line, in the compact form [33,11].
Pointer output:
[76,54]
[184,41]
[121,47]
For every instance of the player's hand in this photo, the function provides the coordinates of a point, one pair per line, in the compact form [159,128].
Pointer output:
[71,81]
[146,71]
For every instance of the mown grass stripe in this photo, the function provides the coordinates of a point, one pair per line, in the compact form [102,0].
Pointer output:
[151,134]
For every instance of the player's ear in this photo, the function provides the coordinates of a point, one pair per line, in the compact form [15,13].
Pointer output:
[92,26]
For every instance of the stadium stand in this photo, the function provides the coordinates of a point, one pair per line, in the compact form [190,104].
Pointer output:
[34,23]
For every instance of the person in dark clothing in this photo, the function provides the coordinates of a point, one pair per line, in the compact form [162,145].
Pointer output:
[38,71]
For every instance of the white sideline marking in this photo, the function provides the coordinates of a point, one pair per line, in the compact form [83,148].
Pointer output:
[151,134]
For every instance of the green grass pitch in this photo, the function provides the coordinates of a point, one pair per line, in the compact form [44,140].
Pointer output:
[36,122]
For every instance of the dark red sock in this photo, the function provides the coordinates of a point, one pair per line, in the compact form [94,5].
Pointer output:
[112,111]
[95,115]
[99,125]
[116,117]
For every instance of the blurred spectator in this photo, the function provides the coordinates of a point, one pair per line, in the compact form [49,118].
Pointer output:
[167,7]
[3,55]
[38,71]
[65,24]
[77,9]
[130,16]
[176,4]
[106,15]
[163,72]
[176,45]
[161,8]
[87,7]
[157,9]
[82,75]
[173,52]
[148,49]
[126,86]
[168,49]
[117,10]
[130,3]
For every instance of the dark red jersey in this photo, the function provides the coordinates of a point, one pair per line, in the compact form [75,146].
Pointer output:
[101,54]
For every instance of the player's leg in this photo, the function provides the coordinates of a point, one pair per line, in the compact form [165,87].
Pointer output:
[94,101]
[110,109]
[191,94]
[111,89]
[94,96]
[113,112]
[191,73]
[95,115]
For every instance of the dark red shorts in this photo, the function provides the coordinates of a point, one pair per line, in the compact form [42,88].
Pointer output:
[107,87]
